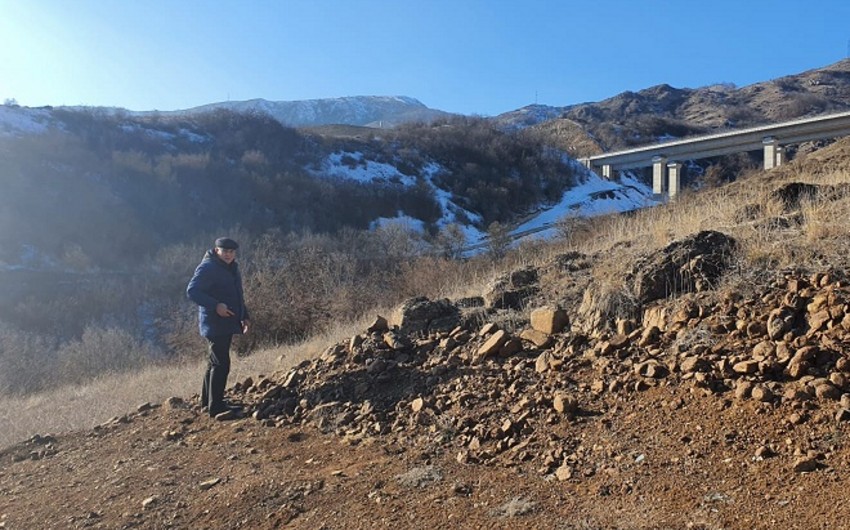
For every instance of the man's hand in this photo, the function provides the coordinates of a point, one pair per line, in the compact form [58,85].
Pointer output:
[246,324]
[223,311]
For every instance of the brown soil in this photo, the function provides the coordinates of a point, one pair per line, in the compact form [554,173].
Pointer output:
[663,458]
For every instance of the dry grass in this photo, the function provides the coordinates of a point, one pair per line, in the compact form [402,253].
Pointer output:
[76,407]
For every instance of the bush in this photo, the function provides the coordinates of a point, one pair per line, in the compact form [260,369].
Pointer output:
[101,350]
[27,361]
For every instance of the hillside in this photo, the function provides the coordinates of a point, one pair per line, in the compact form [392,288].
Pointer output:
[366,111]
[686,367]
[664,112]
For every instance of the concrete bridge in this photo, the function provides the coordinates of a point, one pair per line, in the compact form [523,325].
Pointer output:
[666,158]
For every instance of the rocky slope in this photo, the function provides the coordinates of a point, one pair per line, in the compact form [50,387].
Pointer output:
[664,112]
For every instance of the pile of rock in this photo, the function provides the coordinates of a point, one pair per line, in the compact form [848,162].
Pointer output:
[493,395]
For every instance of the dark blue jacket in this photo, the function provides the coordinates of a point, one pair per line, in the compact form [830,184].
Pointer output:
[217,282]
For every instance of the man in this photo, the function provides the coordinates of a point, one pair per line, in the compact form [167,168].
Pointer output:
[216,287]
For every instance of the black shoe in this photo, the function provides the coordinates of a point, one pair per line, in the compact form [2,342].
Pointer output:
[236,409]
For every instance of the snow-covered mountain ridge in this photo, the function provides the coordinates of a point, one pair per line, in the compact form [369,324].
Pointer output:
[367,111]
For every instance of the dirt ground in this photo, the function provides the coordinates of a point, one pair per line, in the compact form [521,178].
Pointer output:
[668,457]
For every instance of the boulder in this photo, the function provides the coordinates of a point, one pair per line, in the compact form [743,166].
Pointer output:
[549,320]
[692,264]
[512,290]
[420,315]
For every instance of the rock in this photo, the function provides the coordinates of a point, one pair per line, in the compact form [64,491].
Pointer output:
[656,316]
[746,367]
[744,389]
[537,337]
[418,315]
[649,336]
[512,346]
[764,349]
[487,328]
[819,320]
[652,369]
[780,321]
[842,415]
[511,299]
[207,484]
[797,370]
[175,403]
[601,306]
[763,452]
[563,473]
[541,364]
[762,393]
[838,379]
[376,366]
[333,352]
[827,391]
[273,392]
[549,320]
[564,403]
[796,394]
[804,464]
[625,326]
[417,404]
[693,363]
[293,379]
[380,324]
[396,341]
[791,195]
[691,264]
[796,418]
[492,345]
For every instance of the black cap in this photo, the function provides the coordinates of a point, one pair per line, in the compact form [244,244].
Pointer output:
[226,242]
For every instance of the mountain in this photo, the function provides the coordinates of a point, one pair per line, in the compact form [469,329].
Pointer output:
[663,112]
[366,111]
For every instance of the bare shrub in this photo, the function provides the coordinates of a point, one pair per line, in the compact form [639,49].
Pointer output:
[27,360]
[99,351]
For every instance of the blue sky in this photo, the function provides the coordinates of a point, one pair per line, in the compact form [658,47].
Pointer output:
[467,56]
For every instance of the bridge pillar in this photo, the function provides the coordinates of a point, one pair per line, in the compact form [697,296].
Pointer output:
[780,155]
[659,175]
[607,172]
[674,173]
[771,146]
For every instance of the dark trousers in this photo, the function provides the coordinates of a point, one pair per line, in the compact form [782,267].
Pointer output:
[215,378]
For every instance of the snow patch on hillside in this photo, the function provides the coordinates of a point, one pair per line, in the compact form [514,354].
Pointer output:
[347,165]
[15,121]
[593,196]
